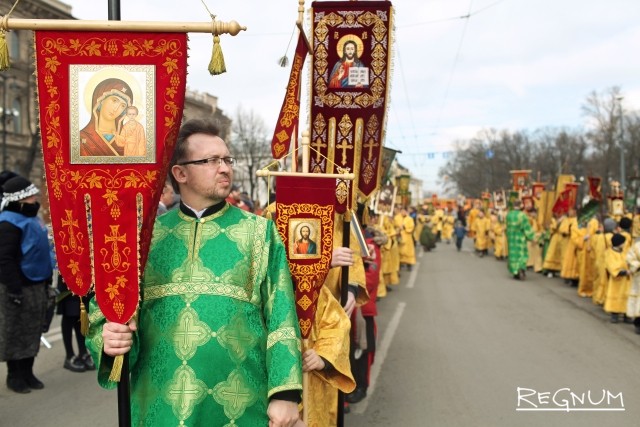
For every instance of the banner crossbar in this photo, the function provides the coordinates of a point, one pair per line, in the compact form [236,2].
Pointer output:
[213,27]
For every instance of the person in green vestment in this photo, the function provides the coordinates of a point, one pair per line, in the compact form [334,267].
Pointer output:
[518,232]
[216,341]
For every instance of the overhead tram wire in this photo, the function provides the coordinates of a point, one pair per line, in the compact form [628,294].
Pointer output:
[406,94]
[453,68]
[453,18]
[457,56]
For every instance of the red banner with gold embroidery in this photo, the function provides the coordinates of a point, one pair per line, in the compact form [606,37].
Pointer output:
[351,67]
[520,179]
[304,218]
[595,187]
[290,111]
[536,189]
[110,109]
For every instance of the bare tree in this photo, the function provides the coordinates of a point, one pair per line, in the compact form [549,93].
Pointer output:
[604,114]
[485,161]
[251,146]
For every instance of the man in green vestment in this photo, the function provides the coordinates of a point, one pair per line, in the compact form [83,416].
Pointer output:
[217,341]
[518,232]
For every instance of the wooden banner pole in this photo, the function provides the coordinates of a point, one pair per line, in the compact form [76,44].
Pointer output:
[213,27]
[124,391]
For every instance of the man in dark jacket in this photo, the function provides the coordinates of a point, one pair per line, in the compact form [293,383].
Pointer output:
[25,271]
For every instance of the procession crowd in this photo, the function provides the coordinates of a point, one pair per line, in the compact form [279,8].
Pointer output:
[598,253]
[217,314]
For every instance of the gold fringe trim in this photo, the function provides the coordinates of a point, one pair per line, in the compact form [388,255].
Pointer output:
[216,66]
[84,319]
[116,370]
[5,62]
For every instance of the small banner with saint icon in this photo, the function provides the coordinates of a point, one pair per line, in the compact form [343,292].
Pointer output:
[305,209]
[110,109]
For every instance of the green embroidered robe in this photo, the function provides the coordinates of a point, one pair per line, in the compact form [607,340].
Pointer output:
[217,328]
[518,232]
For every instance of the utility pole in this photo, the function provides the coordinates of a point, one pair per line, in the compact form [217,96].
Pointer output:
[4,122]
[623,179]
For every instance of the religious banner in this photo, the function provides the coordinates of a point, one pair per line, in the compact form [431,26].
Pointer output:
[572,188]
[350,76]
[304,218]
[615,200]
[562,181]
[536,189]
[567,199]
[110,109]
[520,179]
[290,111]
[595,187]
[545,210]
[388,156]
[403,183]
[385,200]
[499,200]
[486,201]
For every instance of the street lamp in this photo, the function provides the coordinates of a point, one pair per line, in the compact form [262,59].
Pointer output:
[623,179]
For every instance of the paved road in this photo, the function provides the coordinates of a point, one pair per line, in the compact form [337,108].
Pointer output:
[466,336]
[457,339]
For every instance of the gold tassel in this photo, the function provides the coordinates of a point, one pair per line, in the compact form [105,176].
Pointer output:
[116,370]
[284,61]
[5,62]
[84,319]
[216,66]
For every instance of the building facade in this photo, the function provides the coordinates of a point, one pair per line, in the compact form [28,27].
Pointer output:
[21,149]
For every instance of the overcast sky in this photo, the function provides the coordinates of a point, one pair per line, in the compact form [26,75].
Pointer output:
[512,64]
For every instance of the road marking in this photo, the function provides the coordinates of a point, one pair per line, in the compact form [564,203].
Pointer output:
[413,276]
[53,335]
[381,354]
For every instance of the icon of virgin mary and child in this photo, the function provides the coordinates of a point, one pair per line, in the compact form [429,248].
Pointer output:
[107,133]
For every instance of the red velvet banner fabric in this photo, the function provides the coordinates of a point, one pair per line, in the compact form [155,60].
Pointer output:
[110,109]
[595,191]
[304,217]
[350,82]
[290,111]
[520,179]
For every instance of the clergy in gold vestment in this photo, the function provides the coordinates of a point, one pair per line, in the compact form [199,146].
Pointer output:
[481,227]
[619,278]
[390,254]
[553,257]
[499,238]
[438,222]
[327,360]
[421,222]
[633,303]
[585,254]
[330,339]
[447,226]
[568,227]
[471,218]
[601,242]
[356,271]
[635,228]
[535,250]
[407,245]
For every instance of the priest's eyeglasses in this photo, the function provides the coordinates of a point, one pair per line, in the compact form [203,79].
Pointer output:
[214,161]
